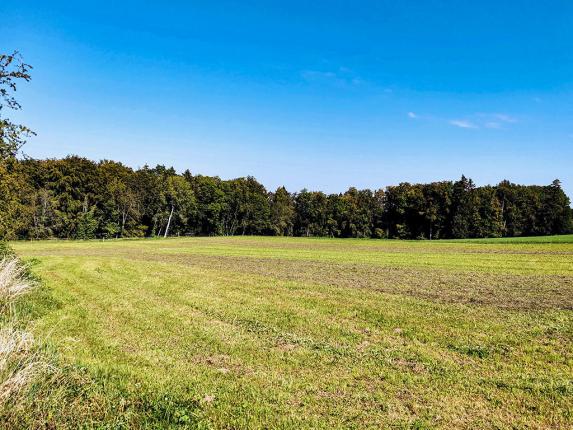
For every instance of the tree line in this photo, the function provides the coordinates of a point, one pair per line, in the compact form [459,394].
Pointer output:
[81,199]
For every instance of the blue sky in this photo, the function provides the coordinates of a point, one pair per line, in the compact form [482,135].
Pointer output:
[323,94]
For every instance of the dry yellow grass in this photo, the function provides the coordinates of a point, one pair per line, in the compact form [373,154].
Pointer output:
[18,361]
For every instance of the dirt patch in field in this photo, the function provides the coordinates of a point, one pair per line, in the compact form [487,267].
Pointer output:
[503,291]
[500,290]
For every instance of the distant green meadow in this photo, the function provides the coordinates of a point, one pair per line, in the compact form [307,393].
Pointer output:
[263,332]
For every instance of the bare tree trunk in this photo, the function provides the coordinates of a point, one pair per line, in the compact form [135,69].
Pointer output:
[123,218]
[169,221]
[502,214]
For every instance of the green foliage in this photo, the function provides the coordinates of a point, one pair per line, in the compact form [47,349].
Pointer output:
[282,212]
[87,225]
[312,217]
[12,136]
[77,198]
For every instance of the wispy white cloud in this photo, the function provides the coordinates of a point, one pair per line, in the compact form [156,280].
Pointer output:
[504,117]
[492,121]
[475,121]
[463,123]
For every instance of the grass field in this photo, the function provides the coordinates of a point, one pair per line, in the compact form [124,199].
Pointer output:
[252,332]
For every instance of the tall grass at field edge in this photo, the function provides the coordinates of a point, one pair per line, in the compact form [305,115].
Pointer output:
[19,364]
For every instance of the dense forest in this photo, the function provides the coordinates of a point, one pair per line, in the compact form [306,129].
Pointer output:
[81,199]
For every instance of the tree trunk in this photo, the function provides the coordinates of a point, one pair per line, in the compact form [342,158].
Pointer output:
[169,221]
[123,218]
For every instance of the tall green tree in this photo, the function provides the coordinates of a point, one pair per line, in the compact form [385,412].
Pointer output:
[282,212]
[555,210]
[489,221]
[356,213]
[438,202]
[311,213]
[118,199]
[181,205]
[465,215]
[212,206]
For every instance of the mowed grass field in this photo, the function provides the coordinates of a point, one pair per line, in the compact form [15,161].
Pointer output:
[253,332]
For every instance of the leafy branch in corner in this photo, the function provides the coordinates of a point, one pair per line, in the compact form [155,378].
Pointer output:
[12,136]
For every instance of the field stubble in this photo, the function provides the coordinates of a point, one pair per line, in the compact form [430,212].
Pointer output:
[308,333]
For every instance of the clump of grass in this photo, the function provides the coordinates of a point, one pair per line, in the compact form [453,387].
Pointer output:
[13,280]
[5,250]
[19,364]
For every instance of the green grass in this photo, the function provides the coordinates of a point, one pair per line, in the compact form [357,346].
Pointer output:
[564,238]
[253,332]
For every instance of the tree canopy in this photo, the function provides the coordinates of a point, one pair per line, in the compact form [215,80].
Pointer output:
[78,198]
[12,136]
